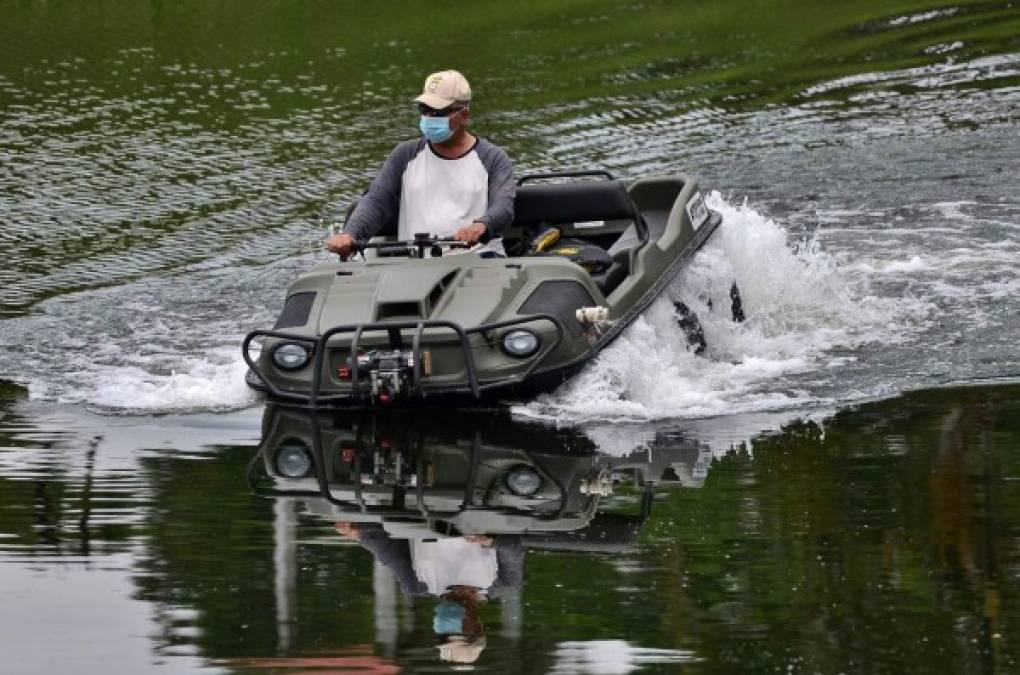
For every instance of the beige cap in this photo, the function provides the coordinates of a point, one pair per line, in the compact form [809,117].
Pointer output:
[461,650]
[445,88]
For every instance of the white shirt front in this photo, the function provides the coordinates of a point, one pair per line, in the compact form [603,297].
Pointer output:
[439,196]
[453,562]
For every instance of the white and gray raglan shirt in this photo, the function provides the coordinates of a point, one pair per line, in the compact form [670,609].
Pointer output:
[417,190]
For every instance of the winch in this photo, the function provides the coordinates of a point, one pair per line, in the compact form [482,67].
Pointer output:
[389,372]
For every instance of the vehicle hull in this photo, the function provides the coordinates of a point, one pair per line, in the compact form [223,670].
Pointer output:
[433,332]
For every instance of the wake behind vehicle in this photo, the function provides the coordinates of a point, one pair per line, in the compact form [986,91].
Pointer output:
[418,321]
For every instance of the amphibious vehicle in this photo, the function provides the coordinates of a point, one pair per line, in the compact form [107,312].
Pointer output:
[419,321]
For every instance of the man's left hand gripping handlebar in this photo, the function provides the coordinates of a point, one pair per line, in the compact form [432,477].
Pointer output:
[471,233]
[342,244]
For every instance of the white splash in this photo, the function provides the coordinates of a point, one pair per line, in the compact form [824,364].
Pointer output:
[168,344]
[213,382]
[895,267]
[619,440]
[613,657]
[799,307]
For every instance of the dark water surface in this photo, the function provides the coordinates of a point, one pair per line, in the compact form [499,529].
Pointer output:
[781,504]
[885,540]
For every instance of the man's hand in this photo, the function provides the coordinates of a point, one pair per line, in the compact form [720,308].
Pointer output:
[340,243]
[347,530]
[471,234]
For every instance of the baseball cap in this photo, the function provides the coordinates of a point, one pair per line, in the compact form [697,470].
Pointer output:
[445,88]
[459,649]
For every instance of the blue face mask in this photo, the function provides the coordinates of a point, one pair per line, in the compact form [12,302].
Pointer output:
[449,619]
[435,129]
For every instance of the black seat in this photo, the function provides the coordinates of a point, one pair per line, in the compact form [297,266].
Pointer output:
[574,202]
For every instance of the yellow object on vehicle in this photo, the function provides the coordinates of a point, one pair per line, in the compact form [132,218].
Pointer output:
[546,239]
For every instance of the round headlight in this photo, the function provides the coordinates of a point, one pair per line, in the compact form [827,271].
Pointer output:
[293,461]
[523,481]
[290,356]
[520,343]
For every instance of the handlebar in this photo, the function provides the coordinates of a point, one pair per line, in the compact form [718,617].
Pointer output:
[411,248]
[409,243]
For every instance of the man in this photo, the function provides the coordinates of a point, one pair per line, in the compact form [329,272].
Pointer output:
[492,565]
[463,572]
[449,183]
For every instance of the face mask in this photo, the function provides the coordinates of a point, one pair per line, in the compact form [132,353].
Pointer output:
[435,129]
[448,619]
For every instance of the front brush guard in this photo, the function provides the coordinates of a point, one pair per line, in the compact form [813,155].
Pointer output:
[314,397]
[398,510]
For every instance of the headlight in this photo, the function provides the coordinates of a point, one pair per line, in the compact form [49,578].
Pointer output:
[290,356]
[523,481]
[293,461]
[520,343]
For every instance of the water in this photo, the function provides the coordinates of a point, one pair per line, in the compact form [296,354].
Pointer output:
[165,169]
[881,539]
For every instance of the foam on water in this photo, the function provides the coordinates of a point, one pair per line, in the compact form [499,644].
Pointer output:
[172,382]
[213,382]
[800,308]
[159,345]
[613,657]
[619,440]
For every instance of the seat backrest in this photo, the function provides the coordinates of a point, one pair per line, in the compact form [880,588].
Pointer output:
[573,202]
[557,204]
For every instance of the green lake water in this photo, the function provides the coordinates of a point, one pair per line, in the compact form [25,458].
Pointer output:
[883,540]
[831,488]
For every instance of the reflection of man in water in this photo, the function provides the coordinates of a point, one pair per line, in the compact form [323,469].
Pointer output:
[463,572]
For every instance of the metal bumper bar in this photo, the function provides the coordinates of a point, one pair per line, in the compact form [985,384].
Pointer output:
[397,510]
[314,397]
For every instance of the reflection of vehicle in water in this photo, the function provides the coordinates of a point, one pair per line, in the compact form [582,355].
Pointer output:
[444,474]
[448,504]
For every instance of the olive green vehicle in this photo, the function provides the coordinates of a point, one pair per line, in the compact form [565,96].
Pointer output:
[406,324]
[421,474]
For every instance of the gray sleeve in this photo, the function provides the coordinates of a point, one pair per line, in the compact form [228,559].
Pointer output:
[502,189]
[394,554]
[510,561]
[377,210]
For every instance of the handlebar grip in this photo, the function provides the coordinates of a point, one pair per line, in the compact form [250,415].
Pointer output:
[452,243]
